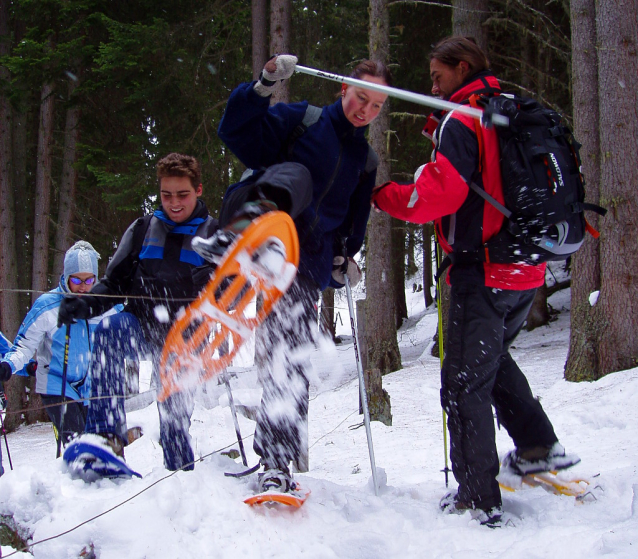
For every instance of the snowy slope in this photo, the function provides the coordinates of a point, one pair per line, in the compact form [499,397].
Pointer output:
[201,514]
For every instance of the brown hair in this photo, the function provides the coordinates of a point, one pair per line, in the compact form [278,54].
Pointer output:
[179,165]
[374,68]
[452,50]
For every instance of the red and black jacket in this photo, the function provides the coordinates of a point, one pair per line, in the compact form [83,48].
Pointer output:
[464,221]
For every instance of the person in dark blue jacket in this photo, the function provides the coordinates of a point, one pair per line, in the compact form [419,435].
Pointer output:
[333,147]
[156,269]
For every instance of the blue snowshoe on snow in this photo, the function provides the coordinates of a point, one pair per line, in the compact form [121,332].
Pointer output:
[93,457]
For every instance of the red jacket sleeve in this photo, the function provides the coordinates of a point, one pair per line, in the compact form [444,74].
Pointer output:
[438,191]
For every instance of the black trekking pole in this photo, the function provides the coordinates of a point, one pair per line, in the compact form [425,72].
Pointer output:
[4,432]
[233,412]
[67,337]
[362,389]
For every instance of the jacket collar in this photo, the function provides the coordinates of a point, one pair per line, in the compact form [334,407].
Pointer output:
[199,215]
[343,127]
[482,83]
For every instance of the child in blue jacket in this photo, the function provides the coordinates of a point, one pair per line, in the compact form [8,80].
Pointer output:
[39,334]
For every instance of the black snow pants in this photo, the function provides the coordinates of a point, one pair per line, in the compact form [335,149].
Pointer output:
[479,372]
[74,416]
[282,354]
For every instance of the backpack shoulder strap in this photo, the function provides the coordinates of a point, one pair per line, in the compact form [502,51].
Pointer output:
[312,115]
[474,102]
[139,233]
[372,161]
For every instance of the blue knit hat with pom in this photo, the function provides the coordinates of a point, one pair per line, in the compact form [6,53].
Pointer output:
[80,258]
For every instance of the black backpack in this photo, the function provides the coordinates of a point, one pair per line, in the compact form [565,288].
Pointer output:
[543,187]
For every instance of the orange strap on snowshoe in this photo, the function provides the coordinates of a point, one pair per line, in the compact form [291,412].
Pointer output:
[203,341]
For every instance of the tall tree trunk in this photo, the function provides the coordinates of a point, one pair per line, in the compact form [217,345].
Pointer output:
[582,359]
[617,36]
[327,319]
[398,265]
[468,18]
[43,194]
[9,306]
[67,184]
[24,205]
[260,36]
[280,19]
[381,335]
[428,233]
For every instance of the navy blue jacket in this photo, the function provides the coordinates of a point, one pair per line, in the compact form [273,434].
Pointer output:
[335,153]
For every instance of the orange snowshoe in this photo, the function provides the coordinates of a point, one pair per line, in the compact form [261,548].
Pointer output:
[262,261]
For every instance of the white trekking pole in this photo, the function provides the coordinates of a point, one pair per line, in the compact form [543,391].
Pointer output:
[417,98]
[362,388]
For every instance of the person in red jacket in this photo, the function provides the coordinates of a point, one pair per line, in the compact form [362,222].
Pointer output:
[489,302]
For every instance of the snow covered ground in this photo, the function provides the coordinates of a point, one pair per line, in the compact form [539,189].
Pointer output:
[201,514]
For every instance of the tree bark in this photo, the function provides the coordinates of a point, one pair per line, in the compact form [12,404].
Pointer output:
[260,36]
[43,194]
[327,317]
[398,265]
[381,335]
[617,36]
[428,233]
[539,313]
[9,304]
[67,184]
[280,19]
[468,17]
[582,358]
[24,205]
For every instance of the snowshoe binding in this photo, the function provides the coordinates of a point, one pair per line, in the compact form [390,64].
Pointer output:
[538,459]
[276,485]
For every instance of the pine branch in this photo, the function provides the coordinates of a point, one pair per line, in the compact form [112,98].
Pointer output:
[505,22]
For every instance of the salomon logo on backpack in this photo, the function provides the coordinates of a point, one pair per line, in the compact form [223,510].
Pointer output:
[543,186]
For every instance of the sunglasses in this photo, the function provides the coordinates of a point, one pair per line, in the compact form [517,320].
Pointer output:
[78,281]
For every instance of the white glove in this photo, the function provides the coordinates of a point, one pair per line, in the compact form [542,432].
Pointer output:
[418,172]
[274,73]
[353,272]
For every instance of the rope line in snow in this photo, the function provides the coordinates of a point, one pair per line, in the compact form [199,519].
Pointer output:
[156,482]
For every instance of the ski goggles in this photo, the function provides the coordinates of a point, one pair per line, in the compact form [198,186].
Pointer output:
[78,281]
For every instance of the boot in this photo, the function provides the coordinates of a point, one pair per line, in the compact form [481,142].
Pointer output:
[538,459]
[213,248]
[275,479]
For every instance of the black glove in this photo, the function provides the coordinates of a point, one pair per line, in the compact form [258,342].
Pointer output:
[5,371]
[72,308]
[32,367]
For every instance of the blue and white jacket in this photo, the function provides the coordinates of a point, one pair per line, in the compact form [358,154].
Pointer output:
[5,346]
[39,333]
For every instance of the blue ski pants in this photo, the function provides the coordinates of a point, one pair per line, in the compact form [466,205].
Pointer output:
[120,337]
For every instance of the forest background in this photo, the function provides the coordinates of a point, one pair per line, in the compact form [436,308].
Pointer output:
[94,92]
